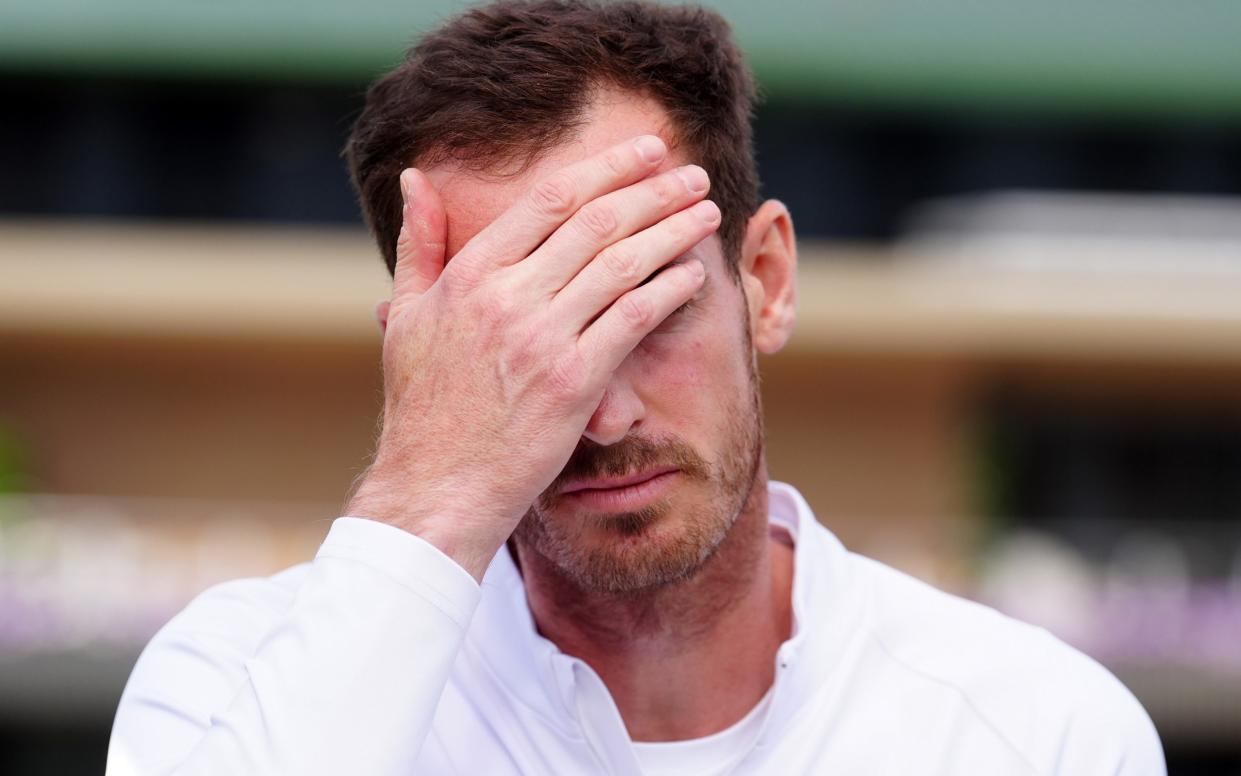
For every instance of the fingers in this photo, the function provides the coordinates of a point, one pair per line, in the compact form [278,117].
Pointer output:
[420,245]
[551,201]
[609,219]
[620,328]
[624,265]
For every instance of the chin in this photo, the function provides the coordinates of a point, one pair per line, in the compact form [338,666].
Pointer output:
[628,552]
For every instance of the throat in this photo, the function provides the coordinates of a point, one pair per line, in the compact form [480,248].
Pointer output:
[689,659]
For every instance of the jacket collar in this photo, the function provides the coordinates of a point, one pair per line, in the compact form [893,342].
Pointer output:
[827,611]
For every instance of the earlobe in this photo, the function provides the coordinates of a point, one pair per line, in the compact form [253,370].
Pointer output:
[381,315]
[769,275]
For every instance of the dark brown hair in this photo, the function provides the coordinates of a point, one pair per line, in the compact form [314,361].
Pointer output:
[505,82]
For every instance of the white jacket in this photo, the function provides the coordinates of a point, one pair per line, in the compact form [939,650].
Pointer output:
[382,656]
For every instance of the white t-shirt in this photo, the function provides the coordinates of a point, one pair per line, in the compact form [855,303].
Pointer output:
[713,755]
[383,656]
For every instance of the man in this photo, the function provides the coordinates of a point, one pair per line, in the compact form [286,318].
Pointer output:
[566,556]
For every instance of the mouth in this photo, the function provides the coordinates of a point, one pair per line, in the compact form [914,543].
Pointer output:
[621,494]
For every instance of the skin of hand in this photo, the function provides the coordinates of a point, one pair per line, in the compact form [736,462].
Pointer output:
[494,361]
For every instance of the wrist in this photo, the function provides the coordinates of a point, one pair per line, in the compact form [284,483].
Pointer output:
[444,521]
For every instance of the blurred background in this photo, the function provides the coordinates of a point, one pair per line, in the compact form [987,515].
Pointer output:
[1017,373]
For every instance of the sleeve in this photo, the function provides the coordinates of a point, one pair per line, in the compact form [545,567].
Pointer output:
[341,676]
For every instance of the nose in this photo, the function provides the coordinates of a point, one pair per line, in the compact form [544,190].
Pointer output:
[618,412]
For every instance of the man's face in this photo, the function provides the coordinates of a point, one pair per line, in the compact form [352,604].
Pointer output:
[683,406]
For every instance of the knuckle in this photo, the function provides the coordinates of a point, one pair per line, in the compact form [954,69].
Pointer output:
[526,340]
[683,230]
[636,310]
[492,308]
[622,264]
[459,278]
[598,219]
[665,190]
[553,196]
[615,163]
[567,375]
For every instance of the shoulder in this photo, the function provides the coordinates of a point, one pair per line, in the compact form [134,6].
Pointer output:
[1061,709]
[194,664]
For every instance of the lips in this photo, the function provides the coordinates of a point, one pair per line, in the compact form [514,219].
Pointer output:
[615,495]
[616,483]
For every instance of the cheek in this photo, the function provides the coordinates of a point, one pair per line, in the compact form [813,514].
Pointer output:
[689,375]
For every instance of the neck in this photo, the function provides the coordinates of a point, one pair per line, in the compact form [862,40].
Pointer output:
[689,659]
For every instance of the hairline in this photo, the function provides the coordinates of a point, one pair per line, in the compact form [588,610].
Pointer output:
[494,164]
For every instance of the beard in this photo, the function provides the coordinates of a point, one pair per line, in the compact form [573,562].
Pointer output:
[633,553]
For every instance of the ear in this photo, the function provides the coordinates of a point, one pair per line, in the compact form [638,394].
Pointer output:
[769,275]
[381,315]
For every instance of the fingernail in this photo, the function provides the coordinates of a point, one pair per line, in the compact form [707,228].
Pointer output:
[650,148]
[694,177]
[707,210]
[697,268]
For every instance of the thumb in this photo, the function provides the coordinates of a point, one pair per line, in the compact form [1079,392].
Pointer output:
[420,245]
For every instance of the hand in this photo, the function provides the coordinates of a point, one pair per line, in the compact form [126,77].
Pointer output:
[494,362]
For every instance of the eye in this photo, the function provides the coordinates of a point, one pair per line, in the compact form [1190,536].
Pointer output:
[675,315]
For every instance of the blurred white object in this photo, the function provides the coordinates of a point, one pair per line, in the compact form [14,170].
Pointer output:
[80,572]
[1044,581]
[1081,231]
[1150,561]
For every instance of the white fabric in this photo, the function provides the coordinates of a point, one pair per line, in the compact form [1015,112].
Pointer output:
[712,755]
[382,656]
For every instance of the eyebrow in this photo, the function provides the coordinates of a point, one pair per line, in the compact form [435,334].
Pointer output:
[684,257]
